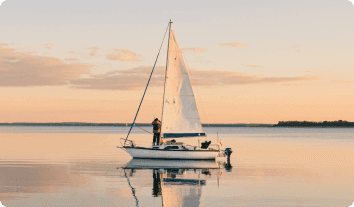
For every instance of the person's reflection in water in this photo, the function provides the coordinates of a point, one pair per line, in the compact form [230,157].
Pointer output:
[132,171]
[206,172]
[156,190]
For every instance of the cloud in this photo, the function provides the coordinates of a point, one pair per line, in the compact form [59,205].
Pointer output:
[343,81]
[291,84]
[214,78]
[133,79]
[123,55]
[235,44]
[353,4]
[94,50]
[49,46]
[71,52]
[20,70]
[253,66]
[295,48]
[195,49]
[136,79]
[71,59]
[2,1]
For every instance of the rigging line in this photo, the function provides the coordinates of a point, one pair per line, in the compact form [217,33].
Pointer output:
[136,115]
[144,130]
[164,86]
[133,189]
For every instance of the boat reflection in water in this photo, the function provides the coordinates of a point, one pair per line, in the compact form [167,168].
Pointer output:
[177,182]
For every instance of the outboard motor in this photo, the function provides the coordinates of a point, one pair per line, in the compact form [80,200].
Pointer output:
[228,152]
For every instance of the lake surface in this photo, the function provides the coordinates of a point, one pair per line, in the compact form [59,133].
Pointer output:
[81,166]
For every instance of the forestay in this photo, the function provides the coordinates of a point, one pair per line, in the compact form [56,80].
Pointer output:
[180,113]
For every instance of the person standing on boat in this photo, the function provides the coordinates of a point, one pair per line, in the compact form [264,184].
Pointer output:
[157,130]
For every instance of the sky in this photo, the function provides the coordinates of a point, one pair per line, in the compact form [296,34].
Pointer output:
[249,61]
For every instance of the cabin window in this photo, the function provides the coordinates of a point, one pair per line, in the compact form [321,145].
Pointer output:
[171,147]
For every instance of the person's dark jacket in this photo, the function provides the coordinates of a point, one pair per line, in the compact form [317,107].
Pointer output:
[156,126]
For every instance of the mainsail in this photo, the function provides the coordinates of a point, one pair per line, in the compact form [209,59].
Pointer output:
[180,116]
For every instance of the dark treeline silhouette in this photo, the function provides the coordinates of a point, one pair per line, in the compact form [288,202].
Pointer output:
[338,123]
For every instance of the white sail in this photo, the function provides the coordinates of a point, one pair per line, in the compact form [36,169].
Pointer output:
[180,113]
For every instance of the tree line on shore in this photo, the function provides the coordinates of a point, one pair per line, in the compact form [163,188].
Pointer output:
[339,123]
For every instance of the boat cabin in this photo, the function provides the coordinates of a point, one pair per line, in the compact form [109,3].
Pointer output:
[173,145]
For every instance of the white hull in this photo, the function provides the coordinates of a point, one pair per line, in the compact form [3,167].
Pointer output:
[148,153]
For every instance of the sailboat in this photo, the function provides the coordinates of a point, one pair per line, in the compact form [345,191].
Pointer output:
[180,117]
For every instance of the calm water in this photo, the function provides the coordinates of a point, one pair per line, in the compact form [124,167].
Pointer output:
[81,166]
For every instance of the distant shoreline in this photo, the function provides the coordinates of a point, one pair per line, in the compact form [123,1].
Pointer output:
[122,124]
[311,124]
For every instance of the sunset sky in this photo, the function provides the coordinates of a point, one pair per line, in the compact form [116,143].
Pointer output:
[250,61]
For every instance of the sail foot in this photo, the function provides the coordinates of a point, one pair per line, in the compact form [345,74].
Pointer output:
[183,135]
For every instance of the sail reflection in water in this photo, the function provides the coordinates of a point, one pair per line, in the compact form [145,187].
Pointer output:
[178,183]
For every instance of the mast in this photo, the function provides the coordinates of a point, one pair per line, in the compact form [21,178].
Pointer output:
[164,87]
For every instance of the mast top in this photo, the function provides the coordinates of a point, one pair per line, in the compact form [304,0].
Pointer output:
[170,23]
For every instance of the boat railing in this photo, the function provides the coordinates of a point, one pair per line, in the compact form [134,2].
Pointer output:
[217,147]
[214,145]
[190,147]
[127,143]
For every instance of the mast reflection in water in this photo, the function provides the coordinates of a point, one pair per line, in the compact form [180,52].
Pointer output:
[178,183]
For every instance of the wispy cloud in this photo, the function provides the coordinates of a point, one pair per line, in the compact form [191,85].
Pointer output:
[195,49]
[94,50]
[21,69]
[254,66]
[132,79]
[71,59]
[214,78]
[136,79]
[49,46]
[291,84]
[123,55]
[235,44]
[294,48]
[343,81]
